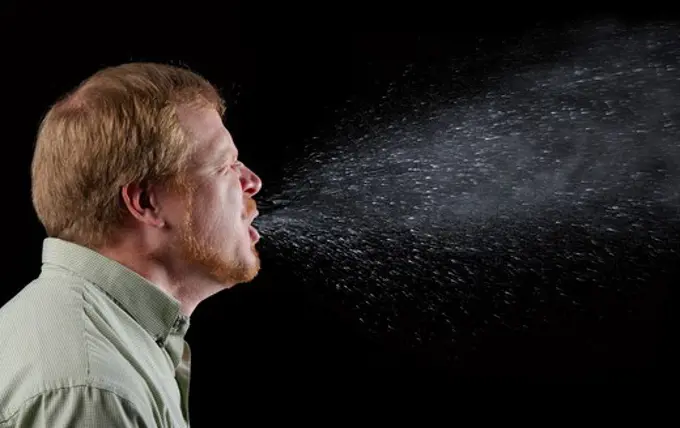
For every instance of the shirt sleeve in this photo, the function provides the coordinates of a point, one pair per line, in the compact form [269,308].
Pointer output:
[77,407]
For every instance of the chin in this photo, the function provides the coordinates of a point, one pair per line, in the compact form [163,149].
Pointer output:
[252,266]
[248,265]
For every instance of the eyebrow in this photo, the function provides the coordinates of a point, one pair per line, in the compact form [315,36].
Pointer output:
[226,155]
[225,152]
[231,154]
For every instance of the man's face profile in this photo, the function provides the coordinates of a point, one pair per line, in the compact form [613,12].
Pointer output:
[217,209]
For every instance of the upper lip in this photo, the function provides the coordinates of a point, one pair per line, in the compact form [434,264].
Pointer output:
[253,216]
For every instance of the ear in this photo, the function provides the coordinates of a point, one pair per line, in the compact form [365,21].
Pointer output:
[141,201]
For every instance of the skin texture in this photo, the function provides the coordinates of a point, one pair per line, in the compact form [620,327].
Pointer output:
[194,244]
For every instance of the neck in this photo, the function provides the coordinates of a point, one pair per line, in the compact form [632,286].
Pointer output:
[189,289]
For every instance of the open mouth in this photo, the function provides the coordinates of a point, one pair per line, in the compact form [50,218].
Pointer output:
[254,234]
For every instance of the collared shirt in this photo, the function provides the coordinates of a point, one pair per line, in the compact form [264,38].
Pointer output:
[90,343]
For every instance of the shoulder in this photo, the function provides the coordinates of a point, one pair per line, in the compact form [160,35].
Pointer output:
[76,406]
[50,350]
[41,337]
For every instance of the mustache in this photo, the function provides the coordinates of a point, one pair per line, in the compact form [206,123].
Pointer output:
[251,207]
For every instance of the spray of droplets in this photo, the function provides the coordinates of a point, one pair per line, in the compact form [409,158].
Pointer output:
[537,200]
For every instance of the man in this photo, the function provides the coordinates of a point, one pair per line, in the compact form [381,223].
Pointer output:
[147,211]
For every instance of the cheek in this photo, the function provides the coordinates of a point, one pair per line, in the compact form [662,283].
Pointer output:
[222,214]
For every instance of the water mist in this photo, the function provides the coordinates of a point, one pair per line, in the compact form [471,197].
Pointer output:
[444,214]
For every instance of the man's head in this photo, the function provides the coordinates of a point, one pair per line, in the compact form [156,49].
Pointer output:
[138,154]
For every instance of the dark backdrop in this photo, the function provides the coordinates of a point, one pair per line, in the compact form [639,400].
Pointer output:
[285,71]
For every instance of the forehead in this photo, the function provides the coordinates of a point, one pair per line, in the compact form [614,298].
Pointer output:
[207,131]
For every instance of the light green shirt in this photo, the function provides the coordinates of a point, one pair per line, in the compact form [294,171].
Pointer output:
[90,343]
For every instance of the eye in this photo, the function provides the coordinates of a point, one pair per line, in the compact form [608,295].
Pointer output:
[227,168]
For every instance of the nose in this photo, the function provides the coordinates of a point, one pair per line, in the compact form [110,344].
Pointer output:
[250,182]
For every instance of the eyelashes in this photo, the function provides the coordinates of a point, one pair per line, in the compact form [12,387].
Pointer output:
[236,166]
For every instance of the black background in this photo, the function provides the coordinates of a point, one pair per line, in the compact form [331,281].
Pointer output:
[285,70]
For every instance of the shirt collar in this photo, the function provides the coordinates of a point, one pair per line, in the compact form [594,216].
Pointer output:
[157,312]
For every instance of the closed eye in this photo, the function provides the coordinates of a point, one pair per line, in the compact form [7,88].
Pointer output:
[235,166]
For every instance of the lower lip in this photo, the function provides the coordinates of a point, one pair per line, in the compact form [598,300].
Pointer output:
[254,234]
